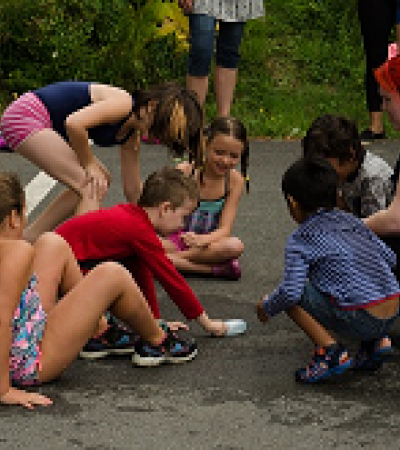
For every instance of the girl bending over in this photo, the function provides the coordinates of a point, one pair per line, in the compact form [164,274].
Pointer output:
[51,126]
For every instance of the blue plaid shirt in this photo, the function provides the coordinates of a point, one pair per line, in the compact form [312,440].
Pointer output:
[341,257]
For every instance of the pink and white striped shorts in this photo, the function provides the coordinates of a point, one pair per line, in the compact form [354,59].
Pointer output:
[23,117]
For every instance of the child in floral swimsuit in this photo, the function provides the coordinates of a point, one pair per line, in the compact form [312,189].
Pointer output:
[27,330]
[47,335]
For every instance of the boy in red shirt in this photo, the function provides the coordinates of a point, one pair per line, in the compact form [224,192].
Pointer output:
[128,233]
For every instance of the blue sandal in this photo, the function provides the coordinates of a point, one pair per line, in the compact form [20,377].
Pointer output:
[370,356]
[326,361]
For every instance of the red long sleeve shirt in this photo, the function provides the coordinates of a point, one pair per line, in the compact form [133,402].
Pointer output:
[124,233]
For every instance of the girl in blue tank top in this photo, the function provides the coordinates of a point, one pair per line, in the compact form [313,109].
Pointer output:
[205,245]
[51,127]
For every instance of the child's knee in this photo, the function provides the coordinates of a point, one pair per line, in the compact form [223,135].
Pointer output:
[113,271]
[235,247]
[51,241]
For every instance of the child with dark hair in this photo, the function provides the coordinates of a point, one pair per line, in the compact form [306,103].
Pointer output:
[128,233]
[51,127]
[365,184]
[205,244]
[337,276]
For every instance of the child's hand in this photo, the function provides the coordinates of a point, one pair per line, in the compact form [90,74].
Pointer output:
[195,240]
[176,326]
[96,180]
[23,398]
[261,314]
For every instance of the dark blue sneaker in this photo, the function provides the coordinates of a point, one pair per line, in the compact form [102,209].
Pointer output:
[371,355]
[172,350]
[326,361]
[116,340]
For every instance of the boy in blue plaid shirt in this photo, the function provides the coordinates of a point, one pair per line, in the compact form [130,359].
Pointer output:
[338,276]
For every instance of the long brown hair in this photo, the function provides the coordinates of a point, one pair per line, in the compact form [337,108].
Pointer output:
[178,119]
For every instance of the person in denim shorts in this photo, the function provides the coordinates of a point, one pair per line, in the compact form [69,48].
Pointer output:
[338,276]
[203,16]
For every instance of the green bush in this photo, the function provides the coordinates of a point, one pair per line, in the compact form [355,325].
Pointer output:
[111,41]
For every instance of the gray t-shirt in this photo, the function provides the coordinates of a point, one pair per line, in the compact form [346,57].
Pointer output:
[371,190]
[230,10]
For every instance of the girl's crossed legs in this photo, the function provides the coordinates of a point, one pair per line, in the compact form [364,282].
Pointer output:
[203,260]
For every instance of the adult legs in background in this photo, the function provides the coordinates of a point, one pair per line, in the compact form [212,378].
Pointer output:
[376,19]
[227,61]
[202,29]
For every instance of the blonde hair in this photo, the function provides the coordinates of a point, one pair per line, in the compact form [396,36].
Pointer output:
[178,119]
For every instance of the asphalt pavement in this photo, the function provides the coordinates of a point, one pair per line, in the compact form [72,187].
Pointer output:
[239,393]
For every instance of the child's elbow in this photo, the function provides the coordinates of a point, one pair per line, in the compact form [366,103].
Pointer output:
[236,247]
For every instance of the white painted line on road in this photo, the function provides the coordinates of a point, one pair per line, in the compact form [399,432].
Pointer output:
[37,189]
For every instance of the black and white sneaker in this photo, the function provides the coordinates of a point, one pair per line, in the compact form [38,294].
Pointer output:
[173,350]
[116,340]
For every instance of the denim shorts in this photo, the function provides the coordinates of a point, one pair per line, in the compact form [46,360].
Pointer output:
[357,324]
[202,33]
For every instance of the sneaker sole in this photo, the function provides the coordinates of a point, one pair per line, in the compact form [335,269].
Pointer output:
[98,355]
[153,362]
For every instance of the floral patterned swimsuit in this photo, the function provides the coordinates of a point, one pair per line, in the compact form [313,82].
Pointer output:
[27,331]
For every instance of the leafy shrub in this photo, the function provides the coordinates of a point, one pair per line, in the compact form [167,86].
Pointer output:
[111,41]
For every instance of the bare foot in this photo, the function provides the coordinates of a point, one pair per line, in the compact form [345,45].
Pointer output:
[176,326]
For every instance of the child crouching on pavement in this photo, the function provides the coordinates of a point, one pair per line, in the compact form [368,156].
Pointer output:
[365,184]
[337,276]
